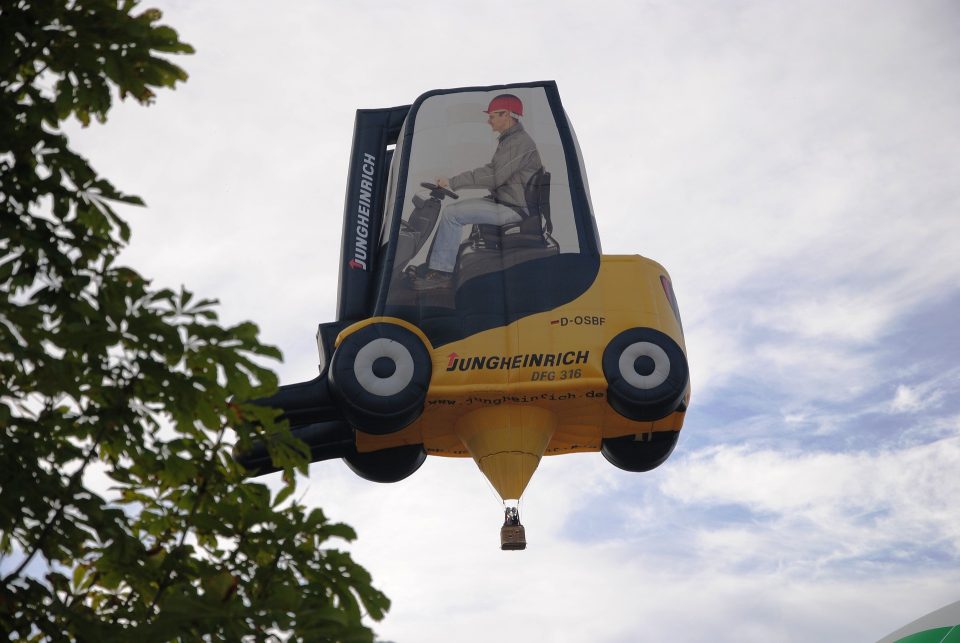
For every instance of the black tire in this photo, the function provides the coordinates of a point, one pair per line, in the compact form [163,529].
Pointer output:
[387,465]
[379,376]
[647,374]
[631,454]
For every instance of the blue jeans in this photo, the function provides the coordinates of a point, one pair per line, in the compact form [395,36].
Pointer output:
[443,255]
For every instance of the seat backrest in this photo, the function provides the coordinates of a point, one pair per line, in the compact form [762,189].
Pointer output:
[537,194]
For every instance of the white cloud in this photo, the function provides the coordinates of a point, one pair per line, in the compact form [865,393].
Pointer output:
[826,508]
[906,399]
[926,395]
[836,316]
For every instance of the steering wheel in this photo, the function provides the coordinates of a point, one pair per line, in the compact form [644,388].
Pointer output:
[433,187]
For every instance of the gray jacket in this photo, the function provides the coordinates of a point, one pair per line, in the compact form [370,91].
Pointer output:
[507,174]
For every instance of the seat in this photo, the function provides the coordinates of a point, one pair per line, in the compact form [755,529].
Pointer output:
[533,231]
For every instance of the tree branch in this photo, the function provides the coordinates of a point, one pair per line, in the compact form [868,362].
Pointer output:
[188,522]
[53,522]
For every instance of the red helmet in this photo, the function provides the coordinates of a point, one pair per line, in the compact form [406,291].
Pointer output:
[507,102]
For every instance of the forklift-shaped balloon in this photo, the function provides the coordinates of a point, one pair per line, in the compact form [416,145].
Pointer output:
[477,316]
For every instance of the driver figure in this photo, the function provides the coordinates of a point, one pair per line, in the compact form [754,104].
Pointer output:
[514,162]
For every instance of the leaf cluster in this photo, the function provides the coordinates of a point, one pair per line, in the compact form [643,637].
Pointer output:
[122,514]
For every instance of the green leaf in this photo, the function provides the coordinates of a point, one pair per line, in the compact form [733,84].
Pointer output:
[283,494]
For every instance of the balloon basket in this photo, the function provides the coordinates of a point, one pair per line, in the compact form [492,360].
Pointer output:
[513,538]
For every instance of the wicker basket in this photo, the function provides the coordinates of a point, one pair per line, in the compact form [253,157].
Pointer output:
[513,537]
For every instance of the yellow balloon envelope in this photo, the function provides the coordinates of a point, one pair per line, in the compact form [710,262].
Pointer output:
[477,314]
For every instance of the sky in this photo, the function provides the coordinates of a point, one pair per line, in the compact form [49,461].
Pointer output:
[794,167]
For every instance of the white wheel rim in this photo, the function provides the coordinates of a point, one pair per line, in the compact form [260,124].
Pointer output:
[383,386]
[661,365]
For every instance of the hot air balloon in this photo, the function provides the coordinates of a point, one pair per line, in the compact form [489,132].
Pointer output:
[939,626]
[476,315]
